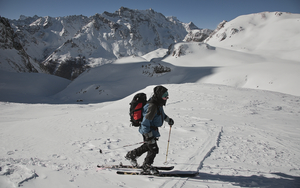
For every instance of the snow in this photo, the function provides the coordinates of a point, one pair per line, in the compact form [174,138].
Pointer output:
[271,33]
[29,87]
[236,119]
[232,136]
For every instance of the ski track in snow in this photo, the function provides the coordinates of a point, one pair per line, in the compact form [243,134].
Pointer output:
[209,145]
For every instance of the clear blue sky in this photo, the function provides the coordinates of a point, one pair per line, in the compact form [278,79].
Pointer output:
[204,13]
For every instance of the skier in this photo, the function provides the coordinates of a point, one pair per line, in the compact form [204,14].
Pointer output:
[153,118]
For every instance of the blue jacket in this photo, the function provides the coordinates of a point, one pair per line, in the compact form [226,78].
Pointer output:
[148,125]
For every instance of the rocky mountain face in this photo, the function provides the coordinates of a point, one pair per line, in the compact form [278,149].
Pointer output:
[67,46]
[13,56]
[197,35]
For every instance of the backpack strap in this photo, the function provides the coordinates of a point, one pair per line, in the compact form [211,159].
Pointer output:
[152,110]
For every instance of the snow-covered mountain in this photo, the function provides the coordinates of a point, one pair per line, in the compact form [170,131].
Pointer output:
[40,36]
[197,35]
[13,57]
[67,46]
[272,33]
[193,62]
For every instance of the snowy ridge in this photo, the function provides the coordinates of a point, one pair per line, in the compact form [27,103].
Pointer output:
[271,33]
[67,46]
[13,56]
[111,36]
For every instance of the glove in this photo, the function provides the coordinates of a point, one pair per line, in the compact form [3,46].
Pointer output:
[170,121]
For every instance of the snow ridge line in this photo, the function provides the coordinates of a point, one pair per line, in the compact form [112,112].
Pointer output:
[219,137]
[211,149]
[27,179]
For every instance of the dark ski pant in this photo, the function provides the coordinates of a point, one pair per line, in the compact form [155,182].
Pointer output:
[151,148]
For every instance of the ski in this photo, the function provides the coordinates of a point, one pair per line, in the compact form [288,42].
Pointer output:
[161,174]
[134,167]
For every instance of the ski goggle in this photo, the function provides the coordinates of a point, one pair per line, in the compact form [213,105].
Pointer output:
[165,95]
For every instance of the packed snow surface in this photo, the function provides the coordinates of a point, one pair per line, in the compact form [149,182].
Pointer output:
[233,137]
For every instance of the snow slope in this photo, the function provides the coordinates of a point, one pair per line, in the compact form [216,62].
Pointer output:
[233,137]
[188,63]
[275,34]
[238,69]
[30,87]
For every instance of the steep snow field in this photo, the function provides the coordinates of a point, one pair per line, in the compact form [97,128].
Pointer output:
[236,119]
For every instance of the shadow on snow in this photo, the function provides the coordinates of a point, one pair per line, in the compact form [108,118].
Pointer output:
[121,79]
[283,181]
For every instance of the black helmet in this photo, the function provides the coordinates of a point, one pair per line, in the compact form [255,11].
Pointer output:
[158,93]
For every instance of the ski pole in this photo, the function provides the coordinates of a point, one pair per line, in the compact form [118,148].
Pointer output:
[168,145]
[101,151]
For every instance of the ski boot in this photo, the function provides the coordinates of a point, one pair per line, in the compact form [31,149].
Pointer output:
[148,169]
[131,157]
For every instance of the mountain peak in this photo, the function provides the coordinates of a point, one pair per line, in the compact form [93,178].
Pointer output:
[96,40]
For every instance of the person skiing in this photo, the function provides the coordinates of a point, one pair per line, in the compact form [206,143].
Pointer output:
[153,117]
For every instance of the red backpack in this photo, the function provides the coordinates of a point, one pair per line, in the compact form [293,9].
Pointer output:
[136,109]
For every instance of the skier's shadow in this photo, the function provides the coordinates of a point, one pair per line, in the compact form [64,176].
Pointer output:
[283,181]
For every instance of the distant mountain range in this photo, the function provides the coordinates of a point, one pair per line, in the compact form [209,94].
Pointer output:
[67,46]
[256,51]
